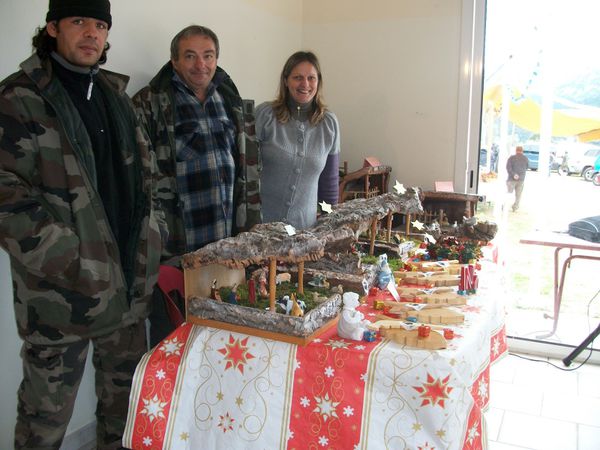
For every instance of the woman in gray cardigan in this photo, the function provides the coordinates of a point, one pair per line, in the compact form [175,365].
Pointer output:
[300,146]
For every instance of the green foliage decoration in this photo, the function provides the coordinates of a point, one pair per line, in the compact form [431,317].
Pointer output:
[452,248]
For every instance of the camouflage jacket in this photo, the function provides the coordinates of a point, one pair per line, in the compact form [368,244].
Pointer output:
[154,103]
[66,268]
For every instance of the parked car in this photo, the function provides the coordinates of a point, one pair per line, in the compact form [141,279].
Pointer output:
[532,151]
[580,160]
[533,156]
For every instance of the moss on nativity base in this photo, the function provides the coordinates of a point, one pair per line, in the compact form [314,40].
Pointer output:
[312,296]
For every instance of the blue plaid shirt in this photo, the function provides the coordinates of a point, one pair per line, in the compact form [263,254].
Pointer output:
[205,142]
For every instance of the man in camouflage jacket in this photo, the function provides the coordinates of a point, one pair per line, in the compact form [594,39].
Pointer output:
[157,103]
[73,281]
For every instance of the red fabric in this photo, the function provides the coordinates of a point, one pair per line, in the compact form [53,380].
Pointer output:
[160,369]
[327,403]
[321,381]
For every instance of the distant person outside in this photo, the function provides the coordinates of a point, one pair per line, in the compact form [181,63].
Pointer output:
[596,175]
[494,158]
[516,166]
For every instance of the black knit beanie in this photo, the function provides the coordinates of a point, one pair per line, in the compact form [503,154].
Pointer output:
[98,9]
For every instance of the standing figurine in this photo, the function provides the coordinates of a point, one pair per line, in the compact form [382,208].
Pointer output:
[233,297]
[296,309]
[214,291]
[262,284]
[251,292]
[319,280]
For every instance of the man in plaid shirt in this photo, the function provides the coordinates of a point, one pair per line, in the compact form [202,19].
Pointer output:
[206,151]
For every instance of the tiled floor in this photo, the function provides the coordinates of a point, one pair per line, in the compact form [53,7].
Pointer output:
[536,406]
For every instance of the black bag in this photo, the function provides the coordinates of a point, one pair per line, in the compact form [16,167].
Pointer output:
[588,229]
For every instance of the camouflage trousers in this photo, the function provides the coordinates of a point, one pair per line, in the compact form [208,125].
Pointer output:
[51,378]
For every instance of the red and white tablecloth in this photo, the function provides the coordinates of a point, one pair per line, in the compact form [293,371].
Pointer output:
[206,388]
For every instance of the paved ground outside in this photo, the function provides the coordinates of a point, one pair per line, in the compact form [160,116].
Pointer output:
[548,203]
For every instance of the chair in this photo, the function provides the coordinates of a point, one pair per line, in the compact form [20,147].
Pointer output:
[171,279]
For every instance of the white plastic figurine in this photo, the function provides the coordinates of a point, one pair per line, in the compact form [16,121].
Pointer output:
[352,323]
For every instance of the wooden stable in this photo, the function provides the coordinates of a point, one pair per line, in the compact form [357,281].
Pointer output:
[199,276]
[445,208]
[454,205]
[363,183]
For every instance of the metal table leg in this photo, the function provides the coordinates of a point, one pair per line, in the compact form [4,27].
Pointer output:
[559,284]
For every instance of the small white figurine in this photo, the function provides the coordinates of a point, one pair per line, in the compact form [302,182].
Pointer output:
[352,323]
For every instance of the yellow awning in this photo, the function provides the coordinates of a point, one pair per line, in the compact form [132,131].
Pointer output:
[589,136]
[568,119]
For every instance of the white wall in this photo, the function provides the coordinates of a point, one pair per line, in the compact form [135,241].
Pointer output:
[256,37]
[9,352]
[391,73]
